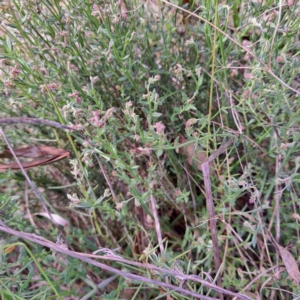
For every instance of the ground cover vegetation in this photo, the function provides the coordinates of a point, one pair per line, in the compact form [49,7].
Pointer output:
[160,149]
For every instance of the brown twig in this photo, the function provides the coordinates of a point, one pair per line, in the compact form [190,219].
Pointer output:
[33,121]
[219,151]
[157,225]
[106,178]
[212,221]
[27,206]
[210,205]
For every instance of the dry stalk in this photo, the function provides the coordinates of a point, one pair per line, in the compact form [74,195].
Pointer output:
[212,221]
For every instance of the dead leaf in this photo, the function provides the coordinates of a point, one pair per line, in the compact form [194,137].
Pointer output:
[123,9]
[43,155]
[195,157]
[56,218]
[9,249]
[290,263]
[154,6]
